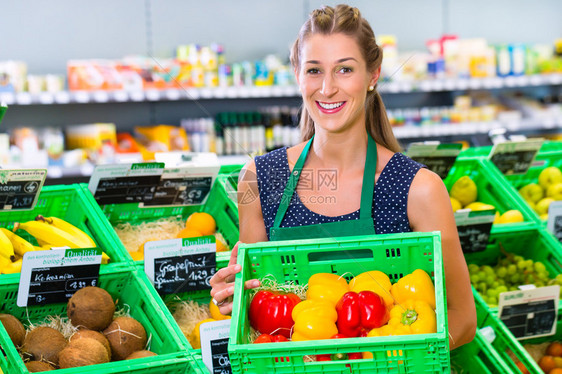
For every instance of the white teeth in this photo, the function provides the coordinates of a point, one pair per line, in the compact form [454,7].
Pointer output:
[331,106]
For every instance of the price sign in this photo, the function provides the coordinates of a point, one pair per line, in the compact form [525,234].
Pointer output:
[184,186]
[474,228]
[53,276]
[515,157]
[132,183]
[531,312]
[19,188]
[180,265]
[554,223]
[439,158]
[214,346]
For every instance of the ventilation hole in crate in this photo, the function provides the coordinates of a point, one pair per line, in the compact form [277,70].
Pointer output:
[397,252]
[293,258]
[276,359]
[334,270]
[282,259]
[348,277]
[296,281]
[387,252]
[430,259]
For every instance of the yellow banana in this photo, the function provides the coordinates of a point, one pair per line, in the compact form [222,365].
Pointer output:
[6,247]
[51,234]
[69,228]
[21,246]
[12,267]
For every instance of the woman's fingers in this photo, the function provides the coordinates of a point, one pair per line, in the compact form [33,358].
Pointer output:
[252,283]
[234,254]
[225,275]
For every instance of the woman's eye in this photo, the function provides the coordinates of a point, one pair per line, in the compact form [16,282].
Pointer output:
[312,71]
[345,70]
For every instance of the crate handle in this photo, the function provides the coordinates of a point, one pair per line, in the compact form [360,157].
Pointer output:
[346,254]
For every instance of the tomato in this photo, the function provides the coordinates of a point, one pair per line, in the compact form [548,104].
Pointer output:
[266,338]
[270,312]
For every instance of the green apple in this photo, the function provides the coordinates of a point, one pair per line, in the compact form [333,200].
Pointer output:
[542,206]
[532,192]
[549,176]
[555,191]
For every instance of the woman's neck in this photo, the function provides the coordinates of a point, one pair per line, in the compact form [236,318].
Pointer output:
[342,151]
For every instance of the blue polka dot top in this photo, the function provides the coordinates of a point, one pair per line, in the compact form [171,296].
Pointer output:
[390,196]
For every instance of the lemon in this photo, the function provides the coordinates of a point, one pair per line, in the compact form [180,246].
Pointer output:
[215,312]
[511,216]
[455,204]
[189,233]
[544,217]
[464,190]
[195,337]
[477,205]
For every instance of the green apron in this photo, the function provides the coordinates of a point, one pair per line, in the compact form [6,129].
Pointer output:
[363,226]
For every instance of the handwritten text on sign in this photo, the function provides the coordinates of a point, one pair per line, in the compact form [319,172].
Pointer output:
[180,265]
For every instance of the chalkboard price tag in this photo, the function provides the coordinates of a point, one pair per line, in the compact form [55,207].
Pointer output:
[180,265]
[530,312]
[53,276]
[126,183]
[515,157]
[474,228]
[554,223]
[439,158]
[19,188]
[214,346]
[184,186]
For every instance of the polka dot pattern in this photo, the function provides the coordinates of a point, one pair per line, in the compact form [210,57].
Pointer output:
[390,196]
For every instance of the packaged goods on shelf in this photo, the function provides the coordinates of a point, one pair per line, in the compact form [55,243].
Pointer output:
[160,138]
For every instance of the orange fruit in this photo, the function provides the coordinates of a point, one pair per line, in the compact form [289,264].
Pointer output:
[189,233]
[221,247]
[555,371]
[522,368]
[554,349]
[137,256]
[547,363]
[202,222]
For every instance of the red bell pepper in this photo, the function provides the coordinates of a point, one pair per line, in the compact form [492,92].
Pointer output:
[339,356]
[360,311]
[266,338]
[270,312]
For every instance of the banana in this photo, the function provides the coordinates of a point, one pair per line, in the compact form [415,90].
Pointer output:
[20,244]
[69,228]
[12,267]
[6,247]
[51,234]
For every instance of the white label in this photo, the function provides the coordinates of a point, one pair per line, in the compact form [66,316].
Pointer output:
[530,313]
[554,223]
[20,188]
[214,346]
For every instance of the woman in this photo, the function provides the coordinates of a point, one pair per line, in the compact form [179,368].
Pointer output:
[348,139]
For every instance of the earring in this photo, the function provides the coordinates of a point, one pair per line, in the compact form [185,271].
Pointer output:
[371,88]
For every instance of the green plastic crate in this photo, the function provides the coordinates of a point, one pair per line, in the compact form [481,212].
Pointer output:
[492,189]
[70,203]
[484,151]
[133,292]
[549,155]
[217,204]
[296,261]
[532,243]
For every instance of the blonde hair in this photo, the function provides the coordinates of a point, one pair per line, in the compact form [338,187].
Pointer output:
[347,20]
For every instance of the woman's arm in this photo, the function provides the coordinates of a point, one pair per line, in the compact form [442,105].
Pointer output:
[429,209]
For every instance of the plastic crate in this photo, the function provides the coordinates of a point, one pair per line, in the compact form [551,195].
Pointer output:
[536,244]
[70,203]
[295,261]
[217,204]
[550,154]
[484,151]
[133,291]
[492,189]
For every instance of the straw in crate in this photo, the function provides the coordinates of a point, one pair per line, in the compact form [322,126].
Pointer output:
[295,262]
[134,296]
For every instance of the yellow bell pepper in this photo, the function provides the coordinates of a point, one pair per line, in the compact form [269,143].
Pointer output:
[314,319]
[410,317]
[416,285]
[375,281]
[326,286]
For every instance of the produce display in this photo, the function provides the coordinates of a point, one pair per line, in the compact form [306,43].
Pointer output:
[547,189]
[92,333]
[47,233]
[134,236]
[548,355]
[464,195]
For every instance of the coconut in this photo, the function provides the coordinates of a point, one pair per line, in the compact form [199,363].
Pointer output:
[15,329]
[91,308]
[140,354]
[83,352]
[126,335]
[43,344]
[91,334]
[37,366]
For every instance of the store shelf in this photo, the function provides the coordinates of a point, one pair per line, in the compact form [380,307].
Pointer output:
[428,85]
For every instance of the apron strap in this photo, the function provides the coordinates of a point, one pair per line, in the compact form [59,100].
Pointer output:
[291,185]
[367,189]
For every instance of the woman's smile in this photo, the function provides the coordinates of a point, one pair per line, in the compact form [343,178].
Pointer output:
[330,108]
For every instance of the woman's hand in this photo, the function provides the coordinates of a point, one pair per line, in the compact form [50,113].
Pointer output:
[222,283]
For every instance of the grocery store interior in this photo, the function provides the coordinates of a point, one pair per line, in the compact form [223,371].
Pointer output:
[193,90]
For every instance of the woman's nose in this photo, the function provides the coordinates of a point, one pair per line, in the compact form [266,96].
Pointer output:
[329,87]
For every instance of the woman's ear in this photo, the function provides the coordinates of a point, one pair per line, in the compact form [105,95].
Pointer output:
[295,70]
[375,76]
